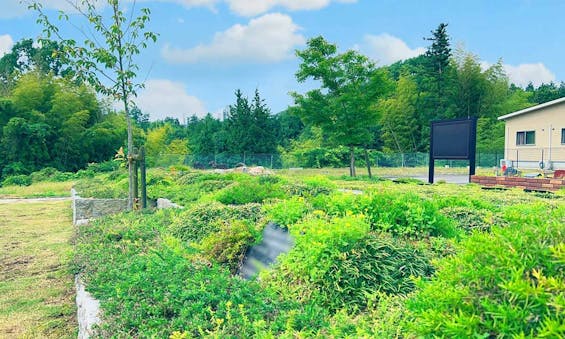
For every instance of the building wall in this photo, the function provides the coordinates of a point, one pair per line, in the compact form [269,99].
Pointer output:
[547,124]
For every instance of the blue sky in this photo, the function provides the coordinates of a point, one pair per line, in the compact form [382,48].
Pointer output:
[209,48]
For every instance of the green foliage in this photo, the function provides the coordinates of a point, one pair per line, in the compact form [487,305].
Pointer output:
[168,273]
[229,244]
[250,191]
[343,105]
[287,212]
[508,282]
[99,187]
[399,117]
[318,242]
[375,264]
[401,214]
[473,219]
[151,285]
[51,174]
[201,220]
[17,180]
[339,264]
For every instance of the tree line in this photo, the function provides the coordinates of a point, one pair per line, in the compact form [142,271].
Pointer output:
[49,118]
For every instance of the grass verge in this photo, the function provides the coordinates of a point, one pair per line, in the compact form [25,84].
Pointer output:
[36,286]
[37,190]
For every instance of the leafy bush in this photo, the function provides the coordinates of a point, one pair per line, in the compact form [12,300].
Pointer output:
[229,244]
[287,212]
[249,192]
[504,283]
[375,264]
[201,220]
[17,180]
[471,219]
[318,242]
[51,174]
[401,214]
[98,187]
[103,167]
[15,168]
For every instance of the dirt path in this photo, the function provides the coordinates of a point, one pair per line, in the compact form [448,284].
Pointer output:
[36,285]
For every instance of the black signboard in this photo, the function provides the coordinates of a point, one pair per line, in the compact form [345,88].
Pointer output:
[453,140]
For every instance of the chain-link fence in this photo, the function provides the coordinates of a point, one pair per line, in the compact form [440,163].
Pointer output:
[278,161]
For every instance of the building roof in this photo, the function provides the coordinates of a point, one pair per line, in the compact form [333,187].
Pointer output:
[533,108]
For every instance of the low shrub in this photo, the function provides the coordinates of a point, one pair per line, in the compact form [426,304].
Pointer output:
[318,242]
[505,283]
[229,244]
[98,187]
[401,214]
[44,174]
[201,220]
[304,190]
[249,192]
[377,263]
[104,167]
[17,180]
[287,212]
[472,219]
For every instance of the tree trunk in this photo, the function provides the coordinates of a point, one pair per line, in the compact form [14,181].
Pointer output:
[130,157]
[368,163]
[352,162]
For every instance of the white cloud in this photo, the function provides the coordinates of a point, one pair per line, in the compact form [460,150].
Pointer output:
[523,74]
[164,98]
[256,7]
[188,3]
[6,44]
[13,8]
[387,49]
[16,8]
[269,38]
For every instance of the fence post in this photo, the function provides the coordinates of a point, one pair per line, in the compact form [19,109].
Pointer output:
[143,173]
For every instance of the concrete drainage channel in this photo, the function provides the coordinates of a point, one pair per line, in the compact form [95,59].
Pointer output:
[276,241]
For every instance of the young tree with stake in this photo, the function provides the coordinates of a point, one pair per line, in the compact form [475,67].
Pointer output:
[105,58]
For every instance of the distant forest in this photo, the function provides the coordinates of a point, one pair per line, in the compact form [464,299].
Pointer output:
[49,119]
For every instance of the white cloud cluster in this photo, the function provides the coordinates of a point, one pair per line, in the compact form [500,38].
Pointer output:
[536,73]
[256,7]
[164,98]
[6,44]
[387,49]
[523,74]
[13,8]
[269,38]
[188,3]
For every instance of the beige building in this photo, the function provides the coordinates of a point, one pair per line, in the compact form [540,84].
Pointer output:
[535,136]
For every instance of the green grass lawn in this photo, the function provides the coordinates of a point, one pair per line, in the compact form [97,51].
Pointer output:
[383,171]
[36,286]
[37,190]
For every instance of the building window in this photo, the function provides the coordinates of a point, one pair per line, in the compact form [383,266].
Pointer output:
[563,135]
[526,138]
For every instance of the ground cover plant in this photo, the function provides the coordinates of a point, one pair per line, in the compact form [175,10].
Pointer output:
[395,260]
